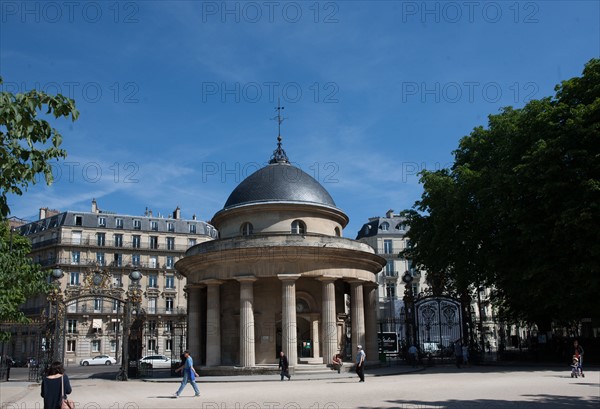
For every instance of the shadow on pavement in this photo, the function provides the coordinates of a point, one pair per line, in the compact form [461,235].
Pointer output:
[499,368]
[541,401]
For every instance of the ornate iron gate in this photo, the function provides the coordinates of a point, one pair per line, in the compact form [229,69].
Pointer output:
[438,324]
[179,344]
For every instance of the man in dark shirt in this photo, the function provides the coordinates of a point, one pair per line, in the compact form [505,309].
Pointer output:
[284,365]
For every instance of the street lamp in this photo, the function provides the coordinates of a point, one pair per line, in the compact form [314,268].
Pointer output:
[408,299]
[134,298]
[55,298]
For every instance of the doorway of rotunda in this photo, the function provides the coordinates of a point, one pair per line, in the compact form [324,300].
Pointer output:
[304,338]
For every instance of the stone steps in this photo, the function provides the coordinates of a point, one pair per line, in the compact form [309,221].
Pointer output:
[302,368]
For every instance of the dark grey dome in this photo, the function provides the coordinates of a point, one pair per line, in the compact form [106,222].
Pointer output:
[279,181]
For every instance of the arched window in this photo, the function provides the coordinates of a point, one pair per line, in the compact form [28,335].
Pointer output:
[302,306]
[385,226]
[247,229]
[337,232]
[298,227]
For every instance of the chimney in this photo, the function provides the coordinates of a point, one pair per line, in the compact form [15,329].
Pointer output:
[389,214]
[43,211]
[150,212]
[194,217]
[52,212]
[177,213]
[95,206]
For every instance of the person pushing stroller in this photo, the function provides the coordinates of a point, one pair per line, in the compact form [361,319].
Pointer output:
[575,367]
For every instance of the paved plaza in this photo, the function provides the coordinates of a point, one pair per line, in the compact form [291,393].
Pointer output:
[482,387]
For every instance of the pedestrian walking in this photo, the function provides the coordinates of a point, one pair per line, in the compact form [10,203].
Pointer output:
[189,375]
[578,353]
[360,363]
[55,386]
[458,353]
[465,355]
[413,355]
[284,365]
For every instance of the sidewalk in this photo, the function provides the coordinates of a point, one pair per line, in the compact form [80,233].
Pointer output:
[19,393]
[442,386]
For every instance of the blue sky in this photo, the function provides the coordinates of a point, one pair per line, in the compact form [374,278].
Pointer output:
[176,96]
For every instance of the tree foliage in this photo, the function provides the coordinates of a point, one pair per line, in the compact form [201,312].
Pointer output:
[28,144]
[20,278]
[520,208]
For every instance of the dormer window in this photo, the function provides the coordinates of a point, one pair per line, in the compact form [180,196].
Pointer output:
[247,229]
[298,227]
[385,226]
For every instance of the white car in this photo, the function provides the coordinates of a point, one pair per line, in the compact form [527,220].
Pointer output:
[156,361]
[98,360]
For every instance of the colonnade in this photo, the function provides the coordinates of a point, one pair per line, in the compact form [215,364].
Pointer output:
[364,320]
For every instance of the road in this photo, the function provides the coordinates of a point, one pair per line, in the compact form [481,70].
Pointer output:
[437,387]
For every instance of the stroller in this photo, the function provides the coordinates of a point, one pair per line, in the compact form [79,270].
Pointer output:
[575,368]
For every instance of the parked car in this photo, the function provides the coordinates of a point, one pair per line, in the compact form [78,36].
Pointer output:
[156,361]
[98,360]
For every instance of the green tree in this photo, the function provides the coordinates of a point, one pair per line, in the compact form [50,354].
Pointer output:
[20,278]
[520,208]
[28,144]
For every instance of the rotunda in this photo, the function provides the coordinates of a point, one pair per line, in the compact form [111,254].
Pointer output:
[280,277]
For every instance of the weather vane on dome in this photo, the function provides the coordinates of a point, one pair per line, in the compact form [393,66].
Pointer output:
[279,155]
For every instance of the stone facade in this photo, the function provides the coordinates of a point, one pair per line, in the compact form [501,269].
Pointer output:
[387,236]
[116,244]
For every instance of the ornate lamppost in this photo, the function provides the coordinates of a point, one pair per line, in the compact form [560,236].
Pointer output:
[409,307]
[56,310]
[133,301]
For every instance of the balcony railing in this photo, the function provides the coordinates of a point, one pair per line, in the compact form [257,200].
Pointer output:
[92,261]
[45,243]
[110,244]
[166,311]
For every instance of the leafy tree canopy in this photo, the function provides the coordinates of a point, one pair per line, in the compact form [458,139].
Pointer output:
[28,144]
[520,208]
[20,278]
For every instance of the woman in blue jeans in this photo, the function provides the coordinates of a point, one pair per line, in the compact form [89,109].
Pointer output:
[189,374]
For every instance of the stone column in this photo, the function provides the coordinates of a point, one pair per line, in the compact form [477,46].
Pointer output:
[247,342]
[213,323]
[357,308]
[289,341]
[371,347]
[314,335]
[329,321]
[194,325]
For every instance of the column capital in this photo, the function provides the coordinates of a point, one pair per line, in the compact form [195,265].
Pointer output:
[246,279]
[212,281]
[357,281]
[370,285]
[288,277]
[326,278]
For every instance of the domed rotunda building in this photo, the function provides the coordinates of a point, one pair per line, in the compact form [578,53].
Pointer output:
[280,277]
